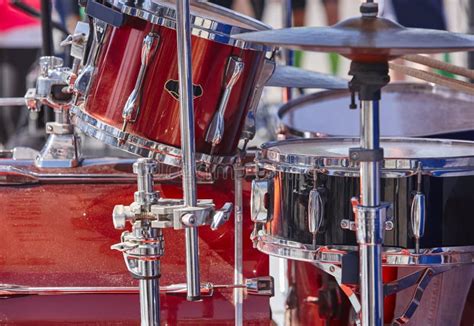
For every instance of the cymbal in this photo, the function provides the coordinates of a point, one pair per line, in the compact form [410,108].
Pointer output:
[370,39]
[288,76]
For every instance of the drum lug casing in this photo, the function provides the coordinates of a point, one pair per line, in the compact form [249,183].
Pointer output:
[315,211]
[261,200]
[84,79]
[233,71]
[132,106]
[418,215]
[250,122]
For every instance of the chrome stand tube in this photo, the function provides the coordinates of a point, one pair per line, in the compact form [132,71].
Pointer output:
[287,55]
[143,247]
[369,233]
[187,143]
[238,244]
[149,299]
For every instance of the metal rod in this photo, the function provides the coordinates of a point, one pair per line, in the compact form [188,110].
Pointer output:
[238,245]
[150,302]
[12,101]
[187,143]
[288,55]
[46,28]
[370,248]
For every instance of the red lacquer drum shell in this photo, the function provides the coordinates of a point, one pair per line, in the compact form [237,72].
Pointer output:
[56,262]
[155,129]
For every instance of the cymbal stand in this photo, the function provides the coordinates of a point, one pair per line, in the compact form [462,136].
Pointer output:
[287,55]
[144,245]
[183,30]
[368,79]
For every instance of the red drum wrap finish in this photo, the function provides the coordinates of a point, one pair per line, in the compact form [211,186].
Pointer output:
[308,282]
[58,234]
[158,119]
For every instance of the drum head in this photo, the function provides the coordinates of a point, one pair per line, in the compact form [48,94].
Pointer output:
[403,155]
[218,13]
[203,14]
[406,109]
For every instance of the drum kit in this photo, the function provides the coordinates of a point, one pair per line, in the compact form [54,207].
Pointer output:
[178,85]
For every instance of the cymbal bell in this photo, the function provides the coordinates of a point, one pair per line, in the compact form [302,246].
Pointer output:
[365,39]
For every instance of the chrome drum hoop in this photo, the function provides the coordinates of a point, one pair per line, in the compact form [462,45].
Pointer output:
[391,256]
[271,159]
[137,145]
[210,29]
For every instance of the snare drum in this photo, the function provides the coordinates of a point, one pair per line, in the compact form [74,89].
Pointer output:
[133,99]
[409,110]
[304,200]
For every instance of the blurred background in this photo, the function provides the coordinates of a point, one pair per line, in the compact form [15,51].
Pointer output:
[20,43]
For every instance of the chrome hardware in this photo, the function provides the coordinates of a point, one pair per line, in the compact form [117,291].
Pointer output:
[266,72]
[348,225]
[32,101]
[418,217]
[369,214]
[13,101]
[439,256]
[260,286]
[144,245]
[62,149]
[78,40]
[132,106]
[121,215]
[234,69]
[140,146]
[260,189]
[221,216]
[84,79]
[315,211]
[52,73]
[368,219]
[418,211]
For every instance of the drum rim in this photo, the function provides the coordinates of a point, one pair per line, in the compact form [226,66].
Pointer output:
[392,256]
[205,28]
[318,96]
[162,153]
[343,166]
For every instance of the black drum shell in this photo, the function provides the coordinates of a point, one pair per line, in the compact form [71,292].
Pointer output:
[449,217]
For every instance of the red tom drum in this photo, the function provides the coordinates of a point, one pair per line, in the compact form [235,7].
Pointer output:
[132,101]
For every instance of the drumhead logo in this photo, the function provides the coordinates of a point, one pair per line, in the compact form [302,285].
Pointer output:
[172,87]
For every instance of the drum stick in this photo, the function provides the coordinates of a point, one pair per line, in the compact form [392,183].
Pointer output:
[438,64]
[432,77]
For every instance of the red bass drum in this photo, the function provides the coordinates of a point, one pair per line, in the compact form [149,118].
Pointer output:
[132,101]
[56,265]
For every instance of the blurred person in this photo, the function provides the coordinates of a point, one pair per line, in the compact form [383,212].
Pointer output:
[20,42]
[69,13]
[408,14]
[257,6]
[331,9]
